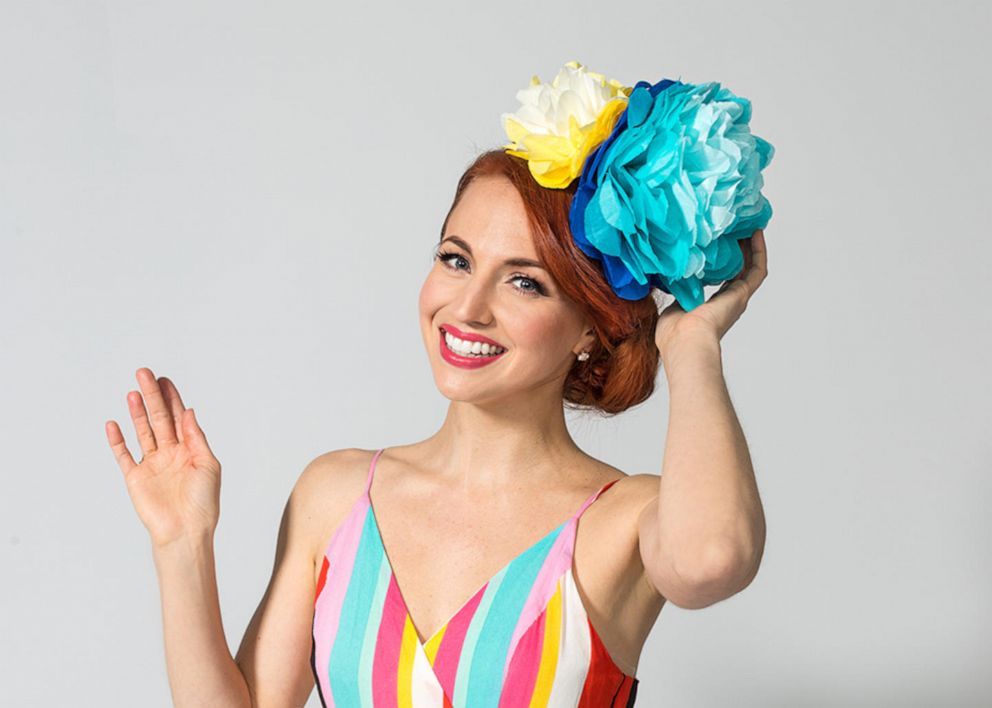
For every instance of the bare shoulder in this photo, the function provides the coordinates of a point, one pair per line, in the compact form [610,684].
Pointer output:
[613,521]
[620,512]
[334,468]
[639,491]
[641,485]
[326,490]
[631,493]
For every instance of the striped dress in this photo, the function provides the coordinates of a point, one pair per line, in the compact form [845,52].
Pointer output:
[522,640]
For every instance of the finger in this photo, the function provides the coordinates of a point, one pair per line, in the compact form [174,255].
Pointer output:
[745,245]
[119,447]
[725,285]
[146,438]
[175,403]
[162,422]
[197,439]
[737,287]
[760,254]
[759,262]
[748,259]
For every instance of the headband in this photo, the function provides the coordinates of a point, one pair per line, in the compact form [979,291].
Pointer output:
[669,175]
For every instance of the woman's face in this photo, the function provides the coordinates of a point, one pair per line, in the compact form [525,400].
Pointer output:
[472,288]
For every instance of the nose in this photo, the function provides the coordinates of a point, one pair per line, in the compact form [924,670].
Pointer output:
[471,303]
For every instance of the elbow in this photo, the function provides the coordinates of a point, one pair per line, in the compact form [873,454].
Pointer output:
[713,575]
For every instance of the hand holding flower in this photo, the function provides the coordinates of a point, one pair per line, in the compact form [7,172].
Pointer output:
[669,188]
[714,317]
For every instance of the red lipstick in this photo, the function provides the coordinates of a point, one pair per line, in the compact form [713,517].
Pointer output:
[459,360]
[469,336]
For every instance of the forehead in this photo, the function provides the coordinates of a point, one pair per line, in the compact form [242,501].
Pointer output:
[491,218]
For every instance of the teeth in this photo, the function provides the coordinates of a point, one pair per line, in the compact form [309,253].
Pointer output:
[467,348]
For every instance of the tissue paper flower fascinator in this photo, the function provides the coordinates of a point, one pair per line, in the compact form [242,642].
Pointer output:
[669,175]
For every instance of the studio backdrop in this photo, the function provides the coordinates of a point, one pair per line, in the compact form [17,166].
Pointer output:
[244,197]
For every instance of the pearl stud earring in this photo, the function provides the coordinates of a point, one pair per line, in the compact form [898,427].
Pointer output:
[583,356]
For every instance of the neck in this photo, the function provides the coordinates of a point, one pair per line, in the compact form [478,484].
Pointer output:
[490,446]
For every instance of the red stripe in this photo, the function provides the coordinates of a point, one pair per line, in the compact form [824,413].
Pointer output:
[604,679]
[321,580]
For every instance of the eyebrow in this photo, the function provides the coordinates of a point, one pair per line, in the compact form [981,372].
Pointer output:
[516,262]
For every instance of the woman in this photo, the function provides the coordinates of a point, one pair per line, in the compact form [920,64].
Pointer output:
[492,592]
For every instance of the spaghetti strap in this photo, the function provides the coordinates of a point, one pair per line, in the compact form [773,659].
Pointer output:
[585,505]
[593,497]
[358,595]
[368,480]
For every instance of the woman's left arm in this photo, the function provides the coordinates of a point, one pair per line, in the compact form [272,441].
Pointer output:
[702,537]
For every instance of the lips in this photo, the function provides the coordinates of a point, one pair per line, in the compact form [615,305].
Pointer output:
[461,361]
[469,336]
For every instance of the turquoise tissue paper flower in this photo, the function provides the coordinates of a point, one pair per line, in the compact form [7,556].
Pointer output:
[664,199]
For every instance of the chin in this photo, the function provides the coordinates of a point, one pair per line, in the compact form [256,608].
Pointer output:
[455,388]
[465,391]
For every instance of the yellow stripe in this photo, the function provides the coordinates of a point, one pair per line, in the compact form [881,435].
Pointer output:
[431,647]
[404,677]
[549,652]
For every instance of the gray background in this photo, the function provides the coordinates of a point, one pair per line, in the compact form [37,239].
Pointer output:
[244,196]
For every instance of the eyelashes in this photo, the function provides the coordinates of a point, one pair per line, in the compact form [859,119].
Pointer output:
[537,291]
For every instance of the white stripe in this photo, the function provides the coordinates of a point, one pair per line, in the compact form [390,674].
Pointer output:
[574,650]
[425,688]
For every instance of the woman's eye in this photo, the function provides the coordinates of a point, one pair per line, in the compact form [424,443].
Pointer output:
[534,290]
[446,258]
[535,286]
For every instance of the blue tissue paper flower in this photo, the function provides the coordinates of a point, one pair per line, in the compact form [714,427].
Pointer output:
[664,199]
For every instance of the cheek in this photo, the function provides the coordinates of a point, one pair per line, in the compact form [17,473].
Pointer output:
[430,300]
[429,294]
[540,331]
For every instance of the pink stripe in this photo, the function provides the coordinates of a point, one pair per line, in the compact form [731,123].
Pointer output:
[327,611]
[519,679]
[450,651]
[385,663]
[558,561]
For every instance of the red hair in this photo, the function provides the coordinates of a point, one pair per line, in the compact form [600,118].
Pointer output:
[623,361]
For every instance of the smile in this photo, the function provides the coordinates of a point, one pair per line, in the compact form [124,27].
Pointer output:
[465,361]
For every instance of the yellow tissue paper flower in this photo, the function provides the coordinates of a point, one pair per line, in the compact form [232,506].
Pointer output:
[559,123]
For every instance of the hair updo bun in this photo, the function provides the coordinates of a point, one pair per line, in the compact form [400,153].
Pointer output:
[623,362]
[618,374]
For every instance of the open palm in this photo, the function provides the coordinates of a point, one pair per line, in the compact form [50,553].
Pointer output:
[175,487]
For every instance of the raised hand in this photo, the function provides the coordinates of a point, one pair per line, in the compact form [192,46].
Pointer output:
[175,487]
[715,316]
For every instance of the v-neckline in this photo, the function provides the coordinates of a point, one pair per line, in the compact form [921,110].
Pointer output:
[422,643]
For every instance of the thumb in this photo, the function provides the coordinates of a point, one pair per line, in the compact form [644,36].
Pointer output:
[196,439]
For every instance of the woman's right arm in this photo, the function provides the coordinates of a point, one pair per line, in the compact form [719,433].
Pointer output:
[175,489]
[201,669]
[272,667]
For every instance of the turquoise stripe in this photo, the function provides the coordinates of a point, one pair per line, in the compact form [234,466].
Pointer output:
[346,654]
[486,662]
[472,638]
[372,633]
